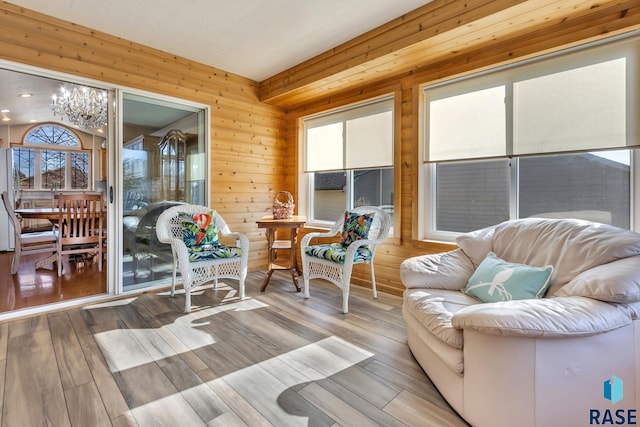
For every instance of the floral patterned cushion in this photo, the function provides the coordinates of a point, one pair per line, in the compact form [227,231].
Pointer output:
[337,252]
[199,253]
[199,230]
[356,227]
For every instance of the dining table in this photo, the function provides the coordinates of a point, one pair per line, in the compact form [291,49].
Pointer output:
[51,214]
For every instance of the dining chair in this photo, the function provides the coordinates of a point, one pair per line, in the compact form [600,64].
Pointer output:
[104,219]
[80,226]
[54,198]
[193,232]
[362,229]
[27,243]
[54,204]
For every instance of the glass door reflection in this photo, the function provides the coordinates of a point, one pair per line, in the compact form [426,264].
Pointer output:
[163,165]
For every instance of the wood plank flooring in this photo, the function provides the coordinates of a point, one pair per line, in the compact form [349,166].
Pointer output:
[273,359]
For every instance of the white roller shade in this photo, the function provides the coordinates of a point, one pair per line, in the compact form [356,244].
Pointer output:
[369,141]
[324,147]
[467,126]
[582,100]
[579,109]
[354,138]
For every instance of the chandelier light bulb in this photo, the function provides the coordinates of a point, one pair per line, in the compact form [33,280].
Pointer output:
[84,107]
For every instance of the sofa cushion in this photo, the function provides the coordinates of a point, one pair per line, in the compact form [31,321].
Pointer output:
[571,246]
[355,227]
[451,357]
[631,309]
[447,270]
[498,280]
[617,281]
[434,310]
[477,244]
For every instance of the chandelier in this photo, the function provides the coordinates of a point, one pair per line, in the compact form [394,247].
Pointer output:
[84,107]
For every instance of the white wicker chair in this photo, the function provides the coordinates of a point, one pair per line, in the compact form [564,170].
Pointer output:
[339,274]
[194,274]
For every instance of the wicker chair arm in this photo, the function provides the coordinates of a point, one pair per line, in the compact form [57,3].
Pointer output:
[244,240]
[164,235]
[306,240]
[353,247]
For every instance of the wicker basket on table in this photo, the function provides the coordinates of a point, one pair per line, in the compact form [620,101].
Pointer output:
[283,210]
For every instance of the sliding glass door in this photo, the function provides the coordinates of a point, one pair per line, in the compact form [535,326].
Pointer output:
[163,165]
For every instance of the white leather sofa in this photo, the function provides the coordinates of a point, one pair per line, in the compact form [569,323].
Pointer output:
[539,361]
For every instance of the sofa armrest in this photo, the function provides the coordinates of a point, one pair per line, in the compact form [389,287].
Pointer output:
[547,317]
[448,270]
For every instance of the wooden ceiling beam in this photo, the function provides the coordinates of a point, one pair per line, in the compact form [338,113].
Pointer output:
[441,31]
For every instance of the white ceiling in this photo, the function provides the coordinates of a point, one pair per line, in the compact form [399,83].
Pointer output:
[253,38]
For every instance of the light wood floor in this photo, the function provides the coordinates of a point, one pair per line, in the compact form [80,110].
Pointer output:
[271,359]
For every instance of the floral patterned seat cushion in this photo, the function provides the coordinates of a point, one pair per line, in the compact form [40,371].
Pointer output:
[356,227]
[199,230]
[202,253]
[337,251]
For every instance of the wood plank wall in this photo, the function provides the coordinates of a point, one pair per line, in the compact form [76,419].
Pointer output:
[535,31]
[254,126]
[246,150]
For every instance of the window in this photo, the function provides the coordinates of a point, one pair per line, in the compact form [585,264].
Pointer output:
[348,160]
[550,138]
[471,195]
[594,186]
[53,160]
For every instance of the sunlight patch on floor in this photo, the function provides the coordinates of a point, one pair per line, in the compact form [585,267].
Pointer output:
[131,347]
[268,386]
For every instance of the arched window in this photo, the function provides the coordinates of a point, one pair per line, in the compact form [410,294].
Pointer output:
[51,158]
[52,135]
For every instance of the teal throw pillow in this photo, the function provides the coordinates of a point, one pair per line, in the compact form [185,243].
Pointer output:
[498,280]
[199,230]
[356,227]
